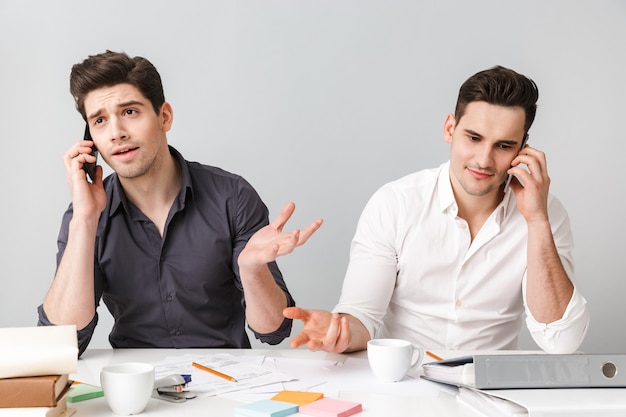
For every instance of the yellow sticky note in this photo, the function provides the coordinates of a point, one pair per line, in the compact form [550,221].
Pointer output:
[298,397]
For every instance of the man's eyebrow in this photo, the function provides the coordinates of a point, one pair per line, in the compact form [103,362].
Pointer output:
[473,133]
[94,114]
[131,103]
[120,105]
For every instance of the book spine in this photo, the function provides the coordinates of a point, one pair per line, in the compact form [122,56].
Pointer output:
[28,392]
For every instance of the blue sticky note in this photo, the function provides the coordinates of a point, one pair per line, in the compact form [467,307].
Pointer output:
[266,408]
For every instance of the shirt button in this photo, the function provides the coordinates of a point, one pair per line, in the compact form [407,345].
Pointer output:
[458,303]
[176,332]
[169,298]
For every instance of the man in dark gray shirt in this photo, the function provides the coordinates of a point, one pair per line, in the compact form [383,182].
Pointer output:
[182,254]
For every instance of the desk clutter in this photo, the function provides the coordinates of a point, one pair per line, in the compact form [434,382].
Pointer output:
[35,363]
[37,366]
[260,383]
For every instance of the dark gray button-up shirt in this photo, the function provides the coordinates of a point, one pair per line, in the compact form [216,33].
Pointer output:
[182,290]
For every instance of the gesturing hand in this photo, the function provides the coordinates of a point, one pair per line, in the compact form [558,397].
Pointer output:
[270,242]
[322,330]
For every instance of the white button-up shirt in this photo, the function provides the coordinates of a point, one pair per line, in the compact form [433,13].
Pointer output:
[415,273]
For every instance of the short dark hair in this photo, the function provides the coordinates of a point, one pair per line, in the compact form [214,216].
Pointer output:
[500,86]
[111,68]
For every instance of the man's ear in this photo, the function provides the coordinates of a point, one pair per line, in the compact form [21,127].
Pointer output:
[166,116]
[448,128]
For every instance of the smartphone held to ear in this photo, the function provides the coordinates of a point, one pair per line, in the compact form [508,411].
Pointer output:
[510,177]
[90,167]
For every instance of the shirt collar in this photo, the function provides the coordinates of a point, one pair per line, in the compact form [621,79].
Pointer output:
[444,189]
[118,197]
[507,205]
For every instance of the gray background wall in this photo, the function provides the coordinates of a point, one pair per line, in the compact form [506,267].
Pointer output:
[319,102]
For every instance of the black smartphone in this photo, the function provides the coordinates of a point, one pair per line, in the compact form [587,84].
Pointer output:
[510,177]
[90,167]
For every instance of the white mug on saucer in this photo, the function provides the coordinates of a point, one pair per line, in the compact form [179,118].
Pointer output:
[391,359]
[127,386]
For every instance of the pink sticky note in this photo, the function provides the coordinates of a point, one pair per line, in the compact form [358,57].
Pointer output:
[330,407]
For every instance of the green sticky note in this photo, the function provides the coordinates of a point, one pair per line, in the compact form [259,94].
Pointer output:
[82,392]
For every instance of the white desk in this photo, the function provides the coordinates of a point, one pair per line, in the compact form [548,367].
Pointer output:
[374,404]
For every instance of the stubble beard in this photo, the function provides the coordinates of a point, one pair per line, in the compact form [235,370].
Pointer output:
[137,169]
[477,191]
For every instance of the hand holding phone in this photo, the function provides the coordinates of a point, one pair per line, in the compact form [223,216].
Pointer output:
[90,167]
[510,177]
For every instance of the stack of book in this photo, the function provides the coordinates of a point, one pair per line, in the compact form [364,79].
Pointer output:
[35,367]
[42,395]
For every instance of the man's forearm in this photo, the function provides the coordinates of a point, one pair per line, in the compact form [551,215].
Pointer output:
[548,288]
[265,300]
[71,298]
[359,336]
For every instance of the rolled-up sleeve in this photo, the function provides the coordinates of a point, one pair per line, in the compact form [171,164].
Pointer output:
[84,335]
[566,334]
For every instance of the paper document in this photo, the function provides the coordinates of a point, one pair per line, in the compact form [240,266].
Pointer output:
[42,350]
[490,405]
[570,402]
[307,375]
[247,373]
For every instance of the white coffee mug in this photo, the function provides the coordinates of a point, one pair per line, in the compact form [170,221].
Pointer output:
[127,386]
[391,359]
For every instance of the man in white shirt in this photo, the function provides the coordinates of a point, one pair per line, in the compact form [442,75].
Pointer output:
[453,257]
